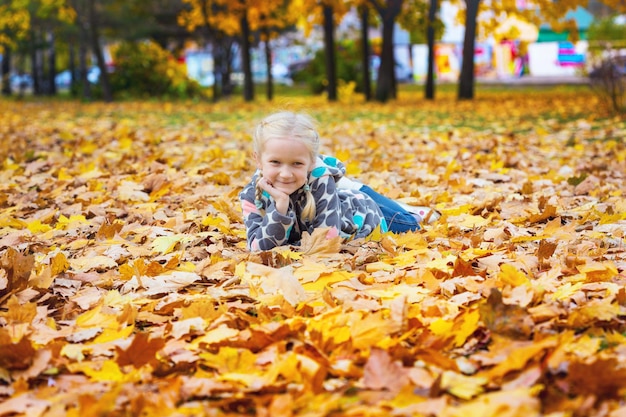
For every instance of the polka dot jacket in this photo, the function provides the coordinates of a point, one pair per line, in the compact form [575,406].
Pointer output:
[347,213]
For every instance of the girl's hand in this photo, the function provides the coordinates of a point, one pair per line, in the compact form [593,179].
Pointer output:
[281,199]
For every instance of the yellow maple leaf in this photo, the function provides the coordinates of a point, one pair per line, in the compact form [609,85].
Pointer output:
[108,371]
[9,221]
[462,386]
[221,223]
[59,263]
[88,263]
[470,221]
[310,270]
[370,331]
[512,276]
[566,291]
[518,358]
[465,325]
[379,266]
[216,335]
[327,279]
[598,271]
[444,264]
[113,334]
[458,210]
[166,244]
[96,318]
[594,311]
[64,222]
[36,226]
[441,327]
[229,359]
[520,402]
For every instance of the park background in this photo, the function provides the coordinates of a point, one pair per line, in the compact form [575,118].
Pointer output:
[52,46]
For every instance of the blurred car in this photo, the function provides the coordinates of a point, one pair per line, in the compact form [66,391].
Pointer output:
[259,76]
[20,82]
[64,78]
[610,68]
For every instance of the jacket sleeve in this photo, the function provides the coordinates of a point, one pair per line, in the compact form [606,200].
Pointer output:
[328,206]
[266,227]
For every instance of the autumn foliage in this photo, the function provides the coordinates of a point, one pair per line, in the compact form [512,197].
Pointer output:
[126,289]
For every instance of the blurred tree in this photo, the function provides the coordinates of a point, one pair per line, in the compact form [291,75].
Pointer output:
[325,13]
[202,16]
[430,36]
[32,25]
[271,18]
[364,15]
[466,80]
[420,19]
[220,19]
[47,19]
[410,15]
[388,11]
[14,25]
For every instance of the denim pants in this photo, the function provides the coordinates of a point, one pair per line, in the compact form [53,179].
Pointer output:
[398,219]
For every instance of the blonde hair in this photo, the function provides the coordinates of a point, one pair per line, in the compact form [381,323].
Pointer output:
[295,126]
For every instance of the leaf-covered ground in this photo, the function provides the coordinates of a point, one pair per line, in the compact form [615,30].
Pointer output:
[126,289]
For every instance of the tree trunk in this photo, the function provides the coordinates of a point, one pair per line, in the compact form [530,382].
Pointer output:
[386,79]
[365,60]
[248,85]
[466,81]
[329,48]
[227,67]
[6,72]
[107,94]
[268,63]
[36,63]
[52,64]
[430,36]
[216,51]
[72,66]
[385,84]
[82,64]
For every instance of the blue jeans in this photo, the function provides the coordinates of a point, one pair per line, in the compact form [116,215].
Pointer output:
[398,219]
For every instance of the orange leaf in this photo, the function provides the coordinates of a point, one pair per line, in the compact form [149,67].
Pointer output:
[15,355]
[141,351]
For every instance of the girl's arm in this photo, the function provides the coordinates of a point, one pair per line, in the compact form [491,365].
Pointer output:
[266,227]
[328,210]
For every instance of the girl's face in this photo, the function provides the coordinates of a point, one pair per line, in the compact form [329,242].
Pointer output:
[285,163]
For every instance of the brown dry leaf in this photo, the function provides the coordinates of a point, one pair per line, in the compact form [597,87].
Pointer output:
[15,355]
[381,372]
[504,319]
[17,268]
[319,243]
[601,377]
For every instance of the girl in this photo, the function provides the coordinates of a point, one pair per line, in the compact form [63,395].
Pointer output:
[295,189]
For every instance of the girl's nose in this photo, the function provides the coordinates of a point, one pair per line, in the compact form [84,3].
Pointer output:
[285,171]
